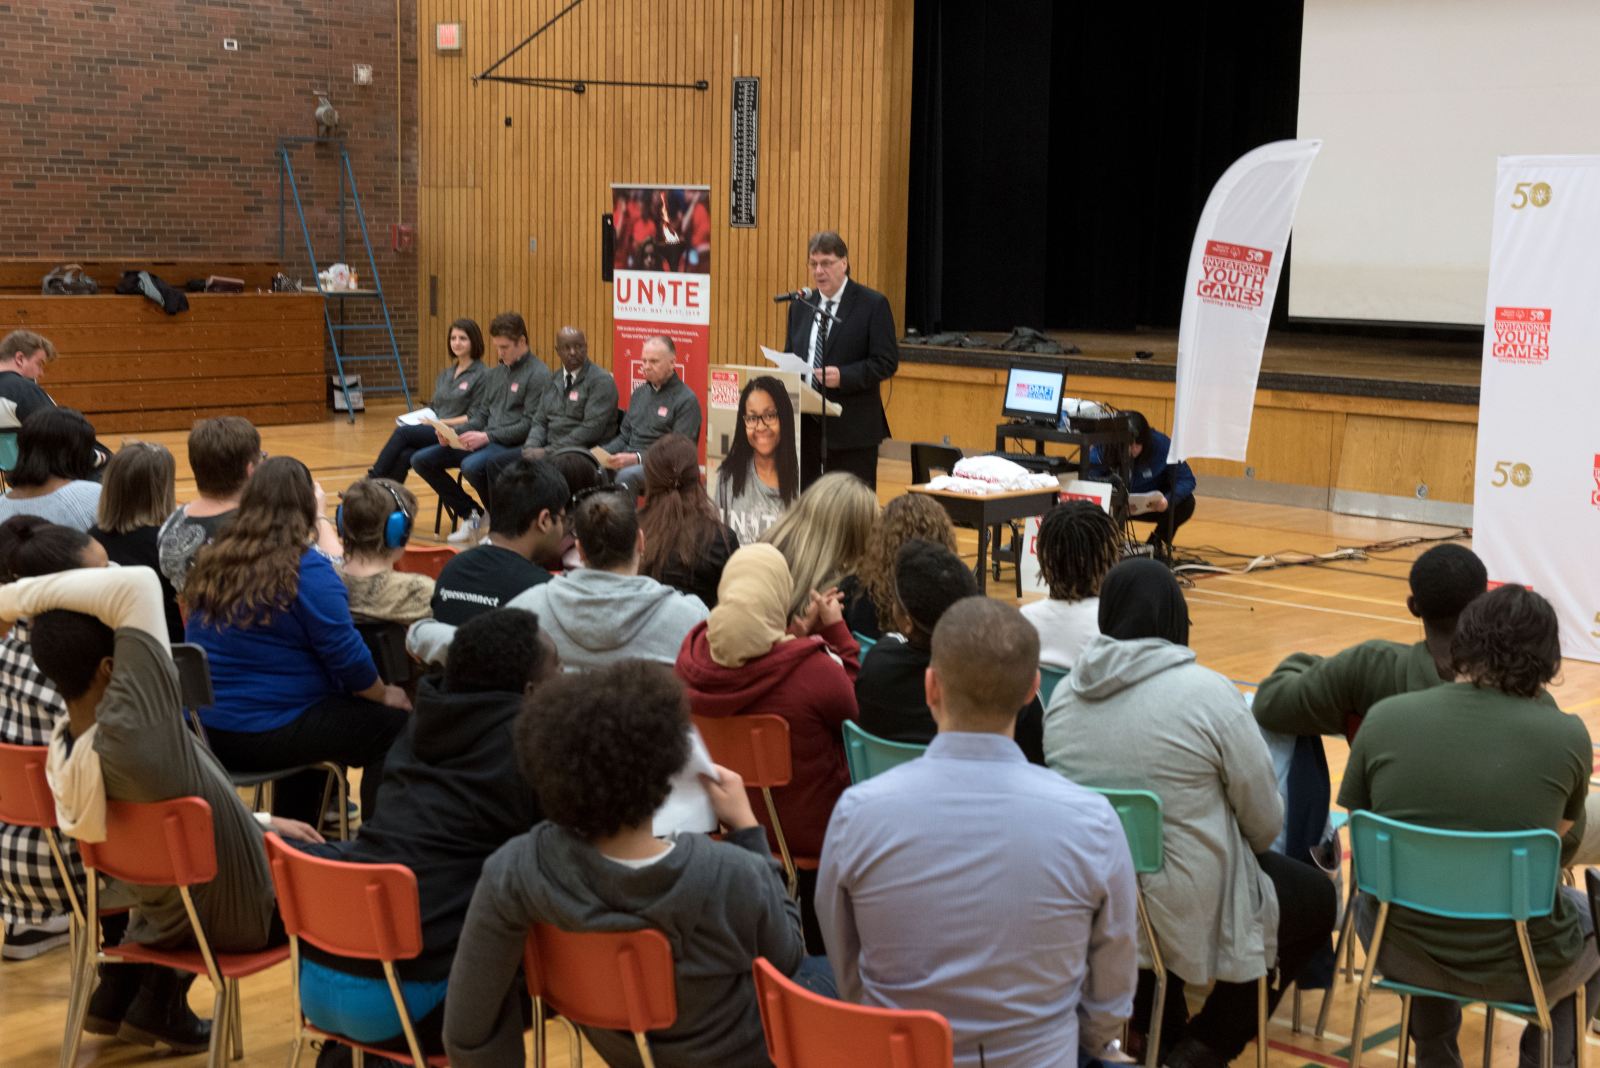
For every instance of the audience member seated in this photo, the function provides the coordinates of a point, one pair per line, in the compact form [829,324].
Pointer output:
[686,544]
[1138,712]
[223,454]
[583,472]
[660,405]
[136,496]
[890,690]
[494,428]
[1033,976]
[744,660]
[1078,544]
[760,476]
[452,794]
[825,535]
[294,682]
[601,750]
[454,393]
[524,531]
[374,519]
[23,357]
[53,478]
[603,612]
[1169,485]
[1485,753]
[869,593]
[101,640]
[34,903]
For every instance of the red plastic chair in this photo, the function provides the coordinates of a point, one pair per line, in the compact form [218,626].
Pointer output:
[806,1030]
[757,747]
[25,801]
[363,911]
[163,843]
[425,560]
[619,981]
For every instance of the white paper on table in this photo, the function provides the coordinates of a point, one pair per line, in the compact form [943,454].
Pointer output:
[688,806]
[788,361]
[416,418]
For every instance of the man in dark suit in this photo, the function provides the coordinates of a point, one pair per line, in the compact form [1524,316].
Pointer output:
[849,357]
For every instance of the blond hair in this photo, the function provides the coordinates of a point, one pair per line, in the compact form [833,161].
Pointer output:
[138,488]
[825,535]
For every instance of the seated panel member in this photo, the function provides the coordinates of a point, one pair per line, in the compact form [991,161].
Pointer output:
[662,404]
[455,391]
[578,404]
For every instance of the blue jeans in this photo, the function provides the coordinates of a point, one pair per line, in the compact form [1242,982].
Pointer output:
[359,1007]
[816,975]
[434,463]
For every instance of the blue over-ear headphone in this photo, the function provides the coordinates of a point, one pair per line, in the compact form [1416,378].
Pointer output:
[396,528]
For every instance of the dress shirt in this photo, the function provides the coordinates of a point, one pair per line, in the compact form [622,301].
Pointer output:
[816,324]
[997,893]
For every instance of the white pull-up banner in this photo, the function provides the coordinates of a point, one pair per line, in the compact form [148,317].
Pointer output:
[1536,492]
[1228,293]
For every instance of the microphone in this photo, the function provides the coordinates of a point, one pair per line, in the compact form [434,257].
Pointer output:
[801,295]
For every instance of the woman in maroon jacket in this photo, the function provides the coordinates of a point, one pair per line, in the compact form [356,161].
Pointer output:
[745,660]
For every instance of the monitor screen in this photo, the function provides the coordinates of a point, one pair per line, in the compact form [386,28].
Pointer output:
[1034,393]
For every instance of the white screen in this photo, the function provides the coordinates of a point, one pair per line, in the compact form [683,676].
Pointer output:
[1037,392]
[1413,101]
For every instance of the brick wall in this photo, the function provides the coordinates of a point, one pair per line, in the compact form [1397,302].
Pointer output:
[129,131]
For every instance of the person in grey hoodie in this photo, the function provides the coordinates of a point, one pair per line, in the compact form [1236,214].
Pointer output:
[602,751]
[604,611]
[1138,712]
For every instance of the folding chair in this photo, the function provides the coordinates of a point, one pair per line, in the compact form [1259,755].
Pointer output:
[362,911]
[869,755]
[164,843]
[425,560]
[757,747]
[615,980]
[1510,876]
[1049,679]
[196,693]
[806,1030]
[25,801]
[387,644]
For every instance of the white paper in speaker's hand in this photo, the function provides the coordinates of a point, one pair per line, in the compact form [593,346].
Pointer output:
[688,806]
[788,361]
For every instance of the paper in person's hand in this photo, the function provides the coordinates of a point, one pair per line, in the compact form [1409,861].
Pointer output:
[451,438]
[688,806]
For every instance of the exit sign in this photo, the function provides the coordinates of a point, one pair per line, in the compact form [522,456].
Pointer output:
[447,36]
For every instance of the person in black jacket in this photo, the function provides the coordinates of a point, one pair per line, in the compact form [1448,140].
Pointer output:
[852,355]
[453,793]
[890,690]
[686,544]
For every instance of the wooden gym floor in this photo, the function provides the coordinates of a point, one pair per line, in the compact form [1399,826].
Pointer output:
[1243,625]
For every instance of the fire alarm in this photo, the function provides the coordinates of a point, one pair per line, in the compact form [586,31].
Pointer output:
[401,236]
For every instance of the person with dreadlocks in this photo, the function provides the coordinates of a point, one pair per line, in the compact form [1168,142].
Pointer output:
[1078,544]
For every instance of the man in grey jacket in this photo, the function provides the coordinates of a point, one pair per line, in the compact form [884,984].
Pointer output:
[662,404]
[579,403]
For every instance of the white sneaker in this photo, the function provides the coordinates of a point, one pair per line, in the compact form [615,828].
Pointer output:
[468,531]
[24,941]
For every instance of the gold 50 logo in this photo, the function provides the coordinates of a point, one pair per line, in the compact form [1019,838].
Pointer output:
[1530,194]
[1509,473]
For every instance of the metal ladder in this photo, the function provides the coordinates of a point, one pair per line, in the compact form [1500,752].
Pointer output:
[371,285]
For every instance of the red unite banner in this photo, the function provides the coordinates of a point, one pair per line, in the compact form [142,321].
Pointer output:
[661,282]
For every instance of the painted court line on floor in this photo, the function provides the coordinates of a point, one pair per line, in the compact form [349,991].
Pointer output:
[1314,608]
[1387,602]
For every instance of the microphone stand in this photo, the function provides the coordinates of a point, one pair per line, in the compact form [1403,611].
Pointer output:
[819,379]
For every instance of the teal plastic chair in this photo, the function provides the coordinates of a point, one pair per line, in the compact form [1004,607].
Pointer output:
[1459,875]
[8,451]
[869,755]
[1049,678]
[865,642]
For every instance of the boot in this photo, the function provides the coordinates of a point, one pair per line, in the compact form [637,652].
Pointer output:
[160,1015]
[115,991]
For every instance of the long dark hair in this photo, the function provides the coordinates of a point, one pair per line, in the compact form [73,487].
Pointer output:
[678,519]
[468,327]
[252,571]
[736,465]
[53,443]
[32,545]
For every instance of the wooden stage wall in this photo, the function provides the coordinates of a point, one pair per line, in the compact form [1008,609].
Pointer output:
[1308,445]
[834,120]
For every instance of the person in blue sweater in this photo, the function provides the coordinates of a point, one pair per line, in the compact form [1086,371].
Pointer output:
[294,682]
[1173,483]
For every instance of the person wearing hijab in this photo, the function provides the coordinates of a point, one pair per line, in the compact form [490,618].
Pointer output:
[1138,712]
[745,659]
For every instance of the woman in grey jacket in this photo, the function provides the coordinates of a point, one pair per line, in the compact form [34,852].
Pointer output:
[1138,712]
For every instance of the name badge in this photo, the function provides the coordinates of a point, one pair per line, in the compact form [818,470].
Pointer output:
[464,385]
[513,387]
[572,396]
[662,411]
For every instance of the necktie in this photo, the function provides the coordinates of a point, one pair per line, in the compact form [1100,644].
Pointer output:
[822,337]
[568,386]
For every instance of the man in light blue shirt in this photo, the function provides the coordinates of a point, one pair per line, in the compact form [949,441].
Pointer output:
[974,884]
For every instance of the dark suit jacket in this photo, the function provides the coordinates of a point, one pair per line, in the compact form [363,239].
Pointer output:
[862,345]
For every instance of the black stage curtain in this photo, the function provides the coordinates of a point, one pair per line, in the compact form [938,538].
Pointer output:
[1060,155]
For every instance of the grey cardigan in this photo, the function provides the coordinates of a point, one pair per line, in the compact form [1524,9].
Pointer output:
[581,416]
[1143,715]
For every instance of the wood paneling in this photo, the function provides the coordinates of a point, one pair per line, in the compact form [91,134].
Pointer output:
[834,154]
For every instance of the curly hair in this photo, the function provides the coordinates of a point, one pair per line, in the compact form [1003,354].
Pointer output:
[601,747]
[1078,544]
[1507,640]
[252,571]
[825,535]
[678,519]
[907,517]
